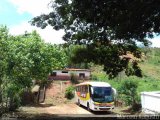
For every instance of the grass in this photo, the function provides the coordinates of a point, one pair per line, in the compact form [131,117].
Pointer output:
[144,84]
[150,69]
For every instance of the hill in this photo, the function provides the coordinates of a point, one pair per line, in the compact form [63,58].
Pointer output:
[150,66]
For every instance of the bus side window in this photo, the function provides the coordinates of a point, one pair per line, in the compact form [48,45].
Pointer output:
[80,89]
[83,89]
[86,88]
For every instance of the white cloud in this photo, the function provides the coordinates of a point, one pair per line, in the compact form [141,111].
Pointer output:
[37,7]
[55,37]
[49,35]
[155,41]
[34,7]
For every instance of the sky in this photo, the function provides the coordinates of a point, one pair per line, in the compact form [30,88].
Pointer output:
[16,14]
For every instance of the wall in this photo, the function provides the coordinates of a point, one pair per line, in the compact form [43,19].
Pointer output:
[67,76]
[150,102]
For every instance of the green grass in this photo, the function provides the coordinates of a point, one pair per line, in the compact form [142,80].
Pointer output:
[147,83]
[144,84]
[150,69]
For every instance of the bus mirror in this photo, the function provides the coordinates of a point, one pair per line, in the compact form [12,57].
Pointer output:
[114,92]
[92,90]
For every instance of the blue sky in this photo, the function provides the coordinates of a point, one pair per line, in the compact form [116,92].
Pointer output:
[9,14]
[15,14]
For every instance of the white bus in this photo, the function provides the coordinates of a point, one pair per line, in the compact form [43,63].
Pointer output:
[96,96]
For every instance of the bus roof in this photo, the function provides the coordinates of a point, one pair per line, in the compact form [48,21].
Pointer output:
[98,84]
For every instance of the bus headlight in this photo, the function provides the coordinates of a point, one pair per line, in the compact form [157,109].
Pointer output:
[97,104]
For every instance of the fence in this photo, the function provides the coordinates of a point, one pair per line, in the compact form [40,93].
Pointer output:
[150,102]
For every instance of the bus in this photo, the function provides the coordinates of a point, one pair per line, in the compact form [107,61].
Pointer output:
[96,96]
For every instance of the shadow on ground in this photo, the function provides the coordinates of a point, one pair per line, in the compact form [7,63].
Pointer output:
[26,116]
[39,105]
[100,112]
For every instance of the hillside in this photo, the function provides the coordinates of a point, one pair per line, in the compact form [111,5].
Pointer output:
[151,65]
[150,68]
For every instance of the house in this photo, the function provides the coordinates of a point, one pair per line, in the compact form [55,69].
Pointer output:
[65,74]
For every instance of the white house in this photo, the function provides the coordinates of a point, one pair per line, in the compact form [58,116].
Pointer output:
[66,74]
[150,102]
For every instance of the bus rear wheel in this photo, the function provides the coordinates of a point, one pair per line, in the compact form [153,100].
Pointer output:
[79,104]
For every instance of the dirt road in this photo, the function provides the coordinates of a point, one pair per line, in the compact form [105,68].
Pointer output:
[62,109]
[70,108]
[67,109]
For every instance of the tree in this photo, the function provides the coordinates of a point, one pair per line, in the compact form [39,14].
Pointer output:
[70,51]
[4,37]
[108,28]
[32,59]
[24,58]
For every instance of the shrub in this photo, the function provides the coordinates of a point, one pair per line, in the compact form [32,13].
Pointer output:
[69,93]
[128,92]
[94,77]
[74,78]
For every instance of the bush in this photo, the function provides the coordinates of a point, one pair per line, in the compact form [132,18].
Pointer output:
[94,77]
[69,93]
[74,79]
[128,92]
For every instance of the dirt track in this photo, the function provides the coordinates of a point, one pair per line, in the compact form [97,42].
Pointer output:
[62,109]
[70,108]
[67,109]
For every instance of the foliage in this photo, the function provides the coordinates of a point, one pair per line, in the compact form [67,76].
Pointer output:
[103,19]
[94,77]
[70,53]
[128,92]
[150,71]
[24,58]
[98,74]
[108,29]
[128,89]
[69,93]
[74,79]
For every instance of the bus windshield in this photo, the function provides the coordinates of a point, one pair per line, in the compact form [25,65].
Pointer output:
[102,94]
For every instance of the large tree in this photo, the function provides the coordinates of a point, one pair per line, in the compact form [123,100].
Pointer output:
[24,58]
[107,28]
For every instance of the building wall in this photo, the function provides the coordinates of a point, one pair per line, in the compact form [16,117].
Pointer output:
[150,102]
[65,75]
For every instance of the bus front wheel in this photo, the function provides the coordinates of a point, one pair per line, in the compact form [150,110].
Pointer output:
[88,107]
